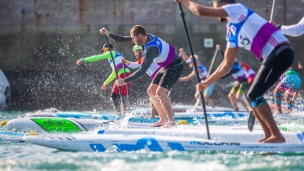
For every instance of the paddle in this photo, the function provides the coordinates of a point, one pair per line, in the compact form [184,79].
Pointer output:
[211,65]
[212,62]
[251,119]
[91,74]
[195,68]
[116,72]
[128,103]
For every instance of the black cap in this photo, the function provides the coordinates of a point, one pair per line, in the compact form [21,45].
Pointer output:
[106,46]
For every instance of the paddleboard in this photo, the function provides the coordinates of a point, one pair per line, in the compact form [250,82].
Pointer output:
[69,125]
[57,124]
[53,125]
[227,133]
[136,142]
[218,133]
[81,115]
[75,115]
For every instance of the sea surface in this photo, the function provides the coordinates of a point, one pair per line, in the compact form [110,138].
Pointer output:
[24,156]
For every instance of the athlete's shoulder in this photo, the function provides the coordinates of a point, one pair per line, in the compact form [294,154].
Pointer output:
[236,12]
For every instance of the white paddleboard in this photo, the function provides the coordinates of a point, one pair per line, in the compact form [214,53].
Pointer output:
[51,124]
[120,142]
[217,133]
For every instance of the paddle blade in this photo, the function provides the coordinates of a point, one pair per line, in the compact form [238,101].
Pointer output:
[251,121]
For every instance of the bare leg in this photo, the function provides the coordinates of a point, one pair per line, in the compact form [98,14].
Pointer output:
[268,124]
[265,129]
[289,101]
[153,111]
[210,102]
[233,100]
[278,100]
[240,99]
[295,94]
[198,99]
[166,106]
[157,104]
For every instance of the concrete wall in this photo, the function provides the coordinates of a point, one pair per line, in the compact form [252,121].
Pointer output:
[40,41]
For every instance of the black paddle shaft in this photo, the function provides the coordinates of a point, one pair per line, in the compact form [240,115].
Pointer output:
[91,74]
[116,72]
[195,68]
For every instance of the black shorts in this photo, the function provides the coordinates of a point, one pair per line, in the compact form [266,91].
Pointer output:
[167,77]
[280,59]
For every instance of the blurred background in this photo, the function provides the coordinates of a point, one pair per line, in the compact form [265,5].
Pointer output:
[40,41]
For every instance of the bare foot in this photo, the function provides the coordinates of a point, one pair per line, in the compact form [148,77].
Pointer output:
[261,140]
[169,124]
[274,139]
[158,124]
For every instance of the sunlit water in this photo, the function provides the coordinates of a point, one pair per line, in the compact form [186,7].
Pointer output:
[24,156]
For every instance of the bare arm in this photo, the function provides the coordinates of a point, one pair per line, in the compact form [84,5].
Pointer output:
[115,37]
[203,11]
[184,55]
[225,66]
[188,77]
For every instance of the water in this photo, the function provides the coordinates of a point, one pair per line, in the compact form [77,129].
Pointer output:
[24,156]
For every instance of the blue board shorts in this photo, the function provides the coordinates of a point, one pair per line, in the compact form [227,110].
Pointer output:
[209,90]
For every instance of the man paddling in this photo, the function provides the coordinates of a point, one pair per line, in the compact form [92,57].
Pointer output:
[164,54]
[203,73]
[122,70]
[289,84]
[152,70]
[246,29]
[249,72]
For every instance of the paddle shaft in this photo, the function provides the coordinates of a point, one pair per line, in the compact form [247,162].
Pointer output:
[195,68]
[116,72]
[212,62]
[91,74]
[272,10]
[123,65]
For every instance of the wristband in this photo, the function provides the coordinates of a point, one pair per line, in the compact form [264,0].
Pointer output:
[189,60]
